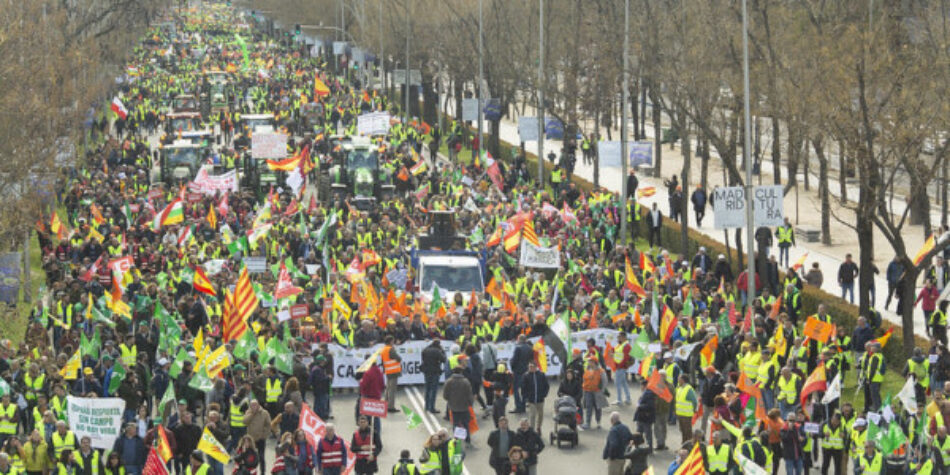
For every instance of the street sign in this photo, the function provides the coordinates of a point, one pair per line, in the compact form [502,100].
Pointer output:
[528,128]
[415,77]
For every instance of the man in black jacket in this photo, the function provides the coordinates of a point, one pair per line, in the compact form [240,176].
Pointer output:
[433,357]
[530,442]
[501,440]
[519,365]
[534,389]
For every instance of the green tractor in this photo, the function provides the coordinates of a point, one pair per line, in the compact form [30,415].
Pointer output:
[180,161]
[358,174]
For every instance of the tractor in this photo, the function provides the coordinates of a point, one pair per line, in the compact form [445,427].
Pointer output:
[180,161]
[356,172]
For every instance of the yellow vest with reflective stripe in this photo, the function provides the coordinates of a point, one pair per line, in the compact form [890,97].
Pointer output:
[94,461]
[7,426]
[788,389]
[273,390]
[128,355]
[832,438]
[921,371]
[237,417]
[61,443]
[684,407]
[750,364]
[718,460]
[872,467]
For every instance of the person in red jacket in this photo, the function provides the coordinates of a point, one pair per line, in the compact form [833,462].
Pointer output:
[372,386]
[331,453]
[927,298]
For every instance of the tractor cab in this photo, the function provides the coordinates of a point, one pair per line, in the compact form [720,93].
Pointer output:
[186,103]
[183,122]
[181,160]
[357,174]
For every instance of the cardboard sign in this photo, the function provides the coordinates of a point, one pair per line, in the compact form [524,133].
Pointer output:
[373,407]
[193,197]
[154,193]
[256,265]
[460,433]
[812,427]
[299,311]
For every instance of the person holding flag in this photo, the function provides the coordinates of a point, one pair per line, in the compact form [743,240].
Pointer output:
[622,361]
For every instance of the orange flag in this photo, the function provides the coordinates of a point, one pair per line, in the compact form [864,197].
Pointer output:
[776,306]
[709,349]
[494,289]
[593,317]
[659,387]
[817,330]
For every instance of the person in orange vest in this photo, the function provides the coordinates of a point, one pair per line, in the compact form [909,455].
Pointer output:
[392,366]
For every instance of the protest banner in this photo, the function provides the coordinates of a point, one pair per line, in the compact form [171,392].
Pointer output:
[540,257]
[98,418]
[268,145]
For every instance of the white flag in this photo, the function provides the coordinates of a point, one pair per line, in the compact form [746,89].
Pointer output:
[834,391]
[908,396]
[749,467]
[682,353]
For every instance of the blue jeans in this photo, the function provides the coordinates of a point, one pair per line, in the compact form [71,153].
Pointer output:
[321,405]
[786,408]
[623,386]
[590,405]
[432,391]
[794,467]
[519,403]
[217,468]
[768,396]
[783,255]
[848,289]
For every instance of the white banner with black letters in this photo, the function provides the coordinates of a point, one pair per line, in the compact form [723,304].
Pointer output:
[540,257]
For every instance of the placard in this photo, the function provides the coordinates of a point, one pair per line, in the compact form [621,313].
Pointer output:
[540,257]
[256,265]
[729,206]
[812,427]
[528,129]
[373,123]
[339,47]
[373,407]
[268,145]
[205,184]
[299,311]
[98,418]
[283,315]
[460,433]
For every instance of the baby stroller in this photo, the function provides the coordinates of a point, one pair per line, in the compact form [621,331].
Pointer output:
[565,421]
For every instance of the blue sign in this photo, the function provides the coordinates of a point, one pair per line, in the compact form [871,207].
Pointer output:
[553,129]
[492,109]
[9,277]
[641,154]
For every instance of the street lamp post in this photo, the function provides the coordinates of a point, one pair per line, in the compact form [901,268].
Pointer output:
[541,96]
[623,121]
[481,71]
[750,215]
[408,82]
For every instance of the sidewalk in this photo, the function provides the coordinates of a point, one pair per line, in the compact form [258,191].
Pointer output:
[806,212]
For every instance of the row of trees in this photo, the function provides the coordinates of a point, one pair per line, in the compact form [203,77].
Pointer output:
[853,86]
[57,60]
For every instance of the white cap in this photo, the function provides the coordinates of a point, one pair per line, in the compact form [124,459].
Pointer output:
[667,355]
[722,256]
[860,422]
[702,248]
[162,361]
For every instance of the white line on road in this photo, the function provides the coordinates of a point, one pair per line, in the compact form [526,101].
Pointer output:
[417,401]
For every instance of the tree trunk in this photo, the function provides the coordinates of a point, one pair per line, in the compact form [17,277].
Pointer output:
[430,99]
[458,88]
[776,151]
[27,278]
[943,193]
[823,191]
[704,156]
[594,148]
[907,315]
[643,108]
[842,172]
[634,110]
[741,262]
[684,180]
[657,134]
[757,144]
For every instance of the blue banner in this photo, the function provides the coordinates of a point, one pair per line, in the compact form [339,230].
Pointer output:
[492,109]
[553,129]
[9,277]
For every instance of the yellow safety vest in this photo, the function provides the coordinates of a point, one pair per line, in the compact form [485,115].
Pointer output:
[202,470]
[273,390]
[784,234]
[33,385]
[832,438]
[619,352]
[763,371]
[95,461]
[874,466]
[944,447]
[788,389]
[8,426]
[61,443]
[237,417]
[750,364]
[684,407]
[128,355]
[878,376]
[921,371]
[718,460]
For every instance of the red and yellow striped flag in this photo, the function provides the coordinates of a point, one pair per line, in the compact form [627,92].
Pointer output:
[529,234]
[233,327]
[245,301]
[693,464]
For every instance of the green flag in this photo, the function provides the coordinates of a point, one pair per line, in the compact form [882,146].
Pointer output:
[246,345]
[477,236]
[688,304]
[412,418]
[436,301]
[894,438]
[118,374]
[90,346]
[162,280]
[725,327]
[283,358]
[4,387]
[200,381]
[168,397]
[639,348]
[238,246]
[178,363]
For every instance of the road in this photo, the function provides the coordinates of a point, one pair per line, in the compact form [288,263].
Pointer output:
[396,435]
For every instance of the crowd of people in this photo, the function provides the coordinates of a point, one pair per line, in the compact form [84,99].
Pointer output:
[146,282]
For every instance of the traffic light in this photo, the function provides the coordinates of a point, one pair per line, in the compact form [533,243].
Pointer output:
[297,29]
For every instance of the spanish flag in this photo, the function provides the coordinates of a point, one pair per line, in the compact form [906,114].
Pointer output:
[201,282]
[632,283]
[667,325]
[319,88]
[512,240]
[929,244]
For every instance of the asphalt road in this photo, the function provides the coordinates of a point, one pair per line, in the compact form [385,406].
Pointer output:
[396,436]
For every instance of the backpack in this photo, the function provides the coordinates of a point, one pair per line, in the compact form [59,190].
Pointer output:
[401,469]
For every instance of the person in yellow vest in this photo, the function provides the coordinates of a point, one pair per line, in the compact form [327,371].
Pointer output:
[686,404]
[58,402]
[197,465]
[786,239]
[859,434]
[789,387]
[873,376]
[7,468]
[718,456]
[87,458]
[63,439]
[918,367]
[9,417]
[274,388]
[832,437]
[128,351]
[872,461]
[66,464]
[34,382]
[392,366]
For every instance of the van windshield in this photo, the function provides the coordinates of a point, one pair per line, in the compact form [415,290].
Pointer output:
[452,279]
